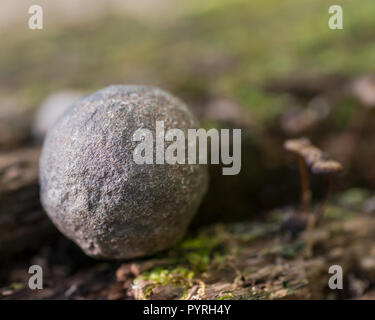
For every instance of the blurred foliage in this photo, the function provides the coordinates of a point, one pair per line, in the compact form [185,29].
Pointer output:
[216,46]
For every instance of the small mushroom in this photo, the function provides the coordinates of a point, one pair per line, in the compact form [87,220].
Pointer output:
[299,146]
[314,157]
[309,155]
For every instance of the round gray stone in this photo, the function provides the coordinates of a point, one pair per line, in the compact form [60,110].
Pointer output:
[97,195]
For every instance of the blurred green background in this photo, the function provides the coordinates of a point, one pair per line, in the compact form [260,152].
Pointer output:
[196,49]
[270,67]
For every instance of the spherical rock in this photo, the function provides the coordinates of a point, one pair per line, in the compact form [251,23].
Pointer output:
[51,109]
[97,195]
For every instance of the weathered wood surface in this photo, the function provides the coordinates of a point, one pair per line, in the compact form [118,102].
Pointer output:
[238,261]
[22,221]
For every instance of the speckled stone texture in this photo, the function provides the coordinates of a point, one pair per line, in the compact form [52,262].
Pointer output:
[97,195]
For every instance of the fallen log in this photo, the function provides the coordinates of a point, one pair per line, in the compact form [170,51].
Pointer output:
[23,224]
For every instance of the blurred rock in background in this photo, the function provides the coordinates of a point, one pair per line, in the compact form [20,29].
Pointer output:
[51,109]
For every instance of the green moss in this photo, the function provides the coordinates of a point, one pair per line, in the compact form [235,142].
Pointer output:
[291,37]
[16,285]
[178,276]
[353,198]
[248,232]
[291,250]
[293,286]
[262,105]
[198,251]
[228,296]
[276,216]
[337,230]
[332,212]
[199,242]
[343,114]
[186,263]
[258,294]
[207,125]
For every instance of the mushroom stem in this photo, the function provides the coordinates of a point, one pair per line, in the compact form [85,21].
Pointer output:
[305,185]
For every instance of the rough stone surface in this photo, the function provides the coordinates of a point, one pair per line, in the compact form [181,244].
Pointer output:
[97,195]
[51,109]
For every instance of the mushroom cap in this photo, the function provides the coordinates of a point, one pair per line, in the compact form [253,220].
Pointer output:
[304,148]
[326,166]
[296,145]
[313,156]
